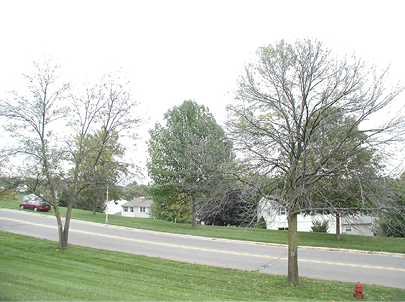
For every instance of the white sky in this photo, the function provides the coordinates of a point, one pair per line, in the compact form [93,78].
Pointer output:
[173,51]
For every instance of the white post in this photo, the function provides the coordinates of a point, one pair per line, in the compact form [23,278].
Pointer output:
[106,208]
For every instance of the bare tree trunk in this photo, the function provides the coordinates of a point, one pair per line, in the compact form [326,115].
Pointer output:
[95,205]
[63,230]
[293,277]
[63,243]
[337,226]
[194,210]
[60,226]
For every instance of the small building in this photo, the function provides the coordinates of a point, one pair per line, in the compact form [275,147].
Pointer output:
[113,207]
[138,207]
[30,197]
[276,218]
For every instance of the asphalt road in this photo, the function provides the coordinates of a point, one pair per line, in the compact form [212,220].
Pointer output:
[318,263]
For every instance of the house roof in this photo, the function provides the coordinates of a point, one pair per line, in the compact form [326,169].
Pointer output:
[136,202]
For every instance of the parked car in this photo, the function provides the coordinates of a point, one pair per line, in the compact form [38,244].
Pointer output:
[36,205]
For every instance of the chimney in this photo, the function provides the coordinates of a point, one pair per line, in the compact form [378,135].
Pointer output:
[141,199]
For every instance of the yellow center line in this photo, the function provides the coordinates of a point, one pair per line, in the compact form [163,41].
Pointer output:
[354,265]
[213,250]
[31,223]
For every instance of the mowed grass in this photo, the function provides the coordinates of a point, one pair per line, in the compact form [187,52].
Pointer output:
[35,270]
[366,243]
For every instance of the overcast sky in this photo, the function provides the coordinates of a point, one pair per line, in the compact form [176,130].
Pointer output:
[173,51]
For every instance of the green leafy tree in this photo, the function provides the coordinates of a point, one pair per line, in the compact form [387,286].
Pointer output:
[134,190]
[392,223]
[347,190]
[190,153]
[7,194]
[107,172]
[8,187]
[170,204]
[297,110]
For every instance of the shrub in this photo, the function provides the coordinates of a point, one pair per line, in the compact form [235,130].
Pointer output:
[261,224]
[320,225]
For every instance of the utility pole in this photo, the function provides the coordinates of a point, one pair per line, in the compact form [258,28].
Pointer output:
[106,208]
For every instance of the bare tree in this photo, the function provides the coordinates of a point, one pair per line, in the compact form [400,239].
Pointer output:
[29,122]
[51,129]
[301,116]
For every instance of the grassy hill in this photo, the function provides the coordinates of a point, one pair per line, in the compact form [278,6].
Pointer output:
[35,270]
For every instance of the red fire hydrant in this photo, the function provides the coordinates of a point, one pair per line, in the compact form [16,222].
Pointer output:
[358,291]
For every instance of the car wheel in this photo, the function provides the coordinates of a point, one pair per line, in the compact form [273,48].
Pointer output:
[35,209]
[22,207]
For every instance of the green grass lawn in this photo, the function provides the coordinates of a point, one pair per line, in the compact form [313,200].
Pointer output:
[35,270]
[380,244]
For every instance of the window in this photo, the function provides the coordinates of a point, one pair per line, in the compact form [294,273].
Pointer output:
[348,228]
[282,211]
[142,209]
[125,209]
[131,209]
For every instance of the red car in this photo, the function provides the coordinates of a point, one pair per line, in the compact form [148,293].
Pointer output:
[36,205]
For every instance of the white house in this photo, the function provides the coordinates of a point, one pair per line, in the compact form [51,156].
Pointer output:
[138,207]
[276,219]
[113,207]
[30,197]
